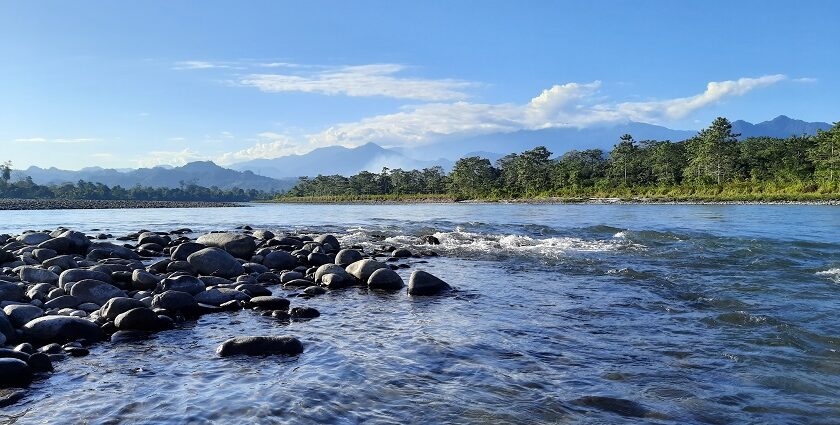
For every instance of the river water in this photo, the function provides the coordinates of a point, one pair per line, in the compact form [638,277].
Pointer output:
[563,313]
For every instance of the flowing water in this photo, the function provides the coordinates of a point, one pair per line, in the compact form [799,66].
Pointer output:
[563,313]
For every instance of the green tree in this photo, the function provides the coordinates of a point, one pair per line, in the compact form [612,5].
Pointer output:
[6,171]
[472,177]
[624,160]
[713,153]
[826,153]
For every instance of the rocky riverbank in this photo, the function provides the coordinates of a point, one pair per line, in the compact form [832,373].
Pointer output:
[86,204]
[63,290]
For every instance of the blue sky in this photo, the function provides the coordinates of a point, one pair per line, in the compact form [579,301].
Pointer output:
[159,82]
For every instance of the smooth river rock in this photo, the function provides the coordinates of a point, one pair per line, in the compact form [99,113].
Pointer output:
[215,261]
[61,329]
[260,345]
[95,291]
[362,269]
[423,283]
[241,246]
[385,279]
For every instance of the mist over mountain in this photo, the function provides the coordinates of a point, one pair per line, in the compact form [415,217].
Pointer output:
[202,173]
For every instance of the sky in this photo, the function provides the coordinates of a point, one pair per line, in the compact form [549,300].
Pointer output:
[138,84]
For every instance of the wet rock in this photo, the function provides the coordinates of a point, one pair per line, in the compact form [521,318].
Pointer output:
[21,314]
[327,269]
[215,261]
[95,291]
[63,301]
[303,313]
[423,283]
[40,362]
[144,281]
[298,283]
[64,262]
[184,250]
[116,306]
[253,290]
[362,269]
[44,254]
[79,242]
[337,281]
[34,238]
[314,290]
[189,284]
[401,253]
[219,296]
[280,260]
[241,246]
[386,279]
[345,257]
[289,276]
[6,353]
[102,250]
[11,291]
[61,329]
[141,318]
[153,238]
[175,301]
[129,336]
[76,275]
[269,278]
[260,345]
[430,239]
[14,373]
[269,303]
[263,234]
[332,241]
[36,275]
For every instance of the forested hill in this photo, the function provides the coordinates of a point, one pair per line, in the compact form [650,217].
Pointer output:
[714,163]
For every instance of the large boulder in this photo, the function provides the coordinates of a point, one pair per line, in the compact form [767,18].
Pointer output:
[64,262]
[63,301]
[75,275]
[95,291]
[184,250]
[14,373]
[327,269]
[338,280]
[21,314]
[143,280]
[260,345]
[59,245]
[241,246]
[189,284]
[36,275]
[215,261]
[219,296]
[280,260]
[270,303]
[345,257]
[109,250]
[330,240]
[79,242]
[423,283]
[385,279]
[10,291]
[175,301]
[362,269]
[116,306]
[33,238]
[140,319]
[61,329]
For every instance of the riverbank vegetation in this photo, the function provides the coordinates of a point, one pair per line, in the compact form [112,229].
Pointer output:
[27,189]
[712,166]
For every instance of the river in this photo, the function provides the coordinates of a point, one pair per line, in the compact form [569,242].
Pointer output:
[563,313]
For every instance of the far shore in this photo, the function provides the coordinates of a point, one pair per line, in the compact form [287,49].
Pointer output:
[87,204]
[391,200]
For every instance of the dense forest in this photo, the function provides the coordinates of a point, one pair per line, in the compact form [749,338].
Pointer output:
[712,165]
[26,189]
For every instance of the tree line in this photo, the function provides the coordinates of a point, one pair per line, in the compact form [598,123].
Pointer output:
[27,189]
[713,161]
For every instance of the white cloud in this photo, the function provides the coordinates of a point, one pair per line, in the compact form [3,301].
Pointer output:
[805,80]
[271,145]
[103,155]
[566,105]
[155,158]
[186,65]
[361,80]
[59,140]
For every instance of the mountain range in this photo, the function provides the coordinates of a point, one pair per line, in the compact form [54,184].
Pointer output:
[278,174]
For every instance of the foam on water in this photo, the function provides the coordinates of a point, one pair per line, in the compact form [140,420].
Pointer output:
[832,274]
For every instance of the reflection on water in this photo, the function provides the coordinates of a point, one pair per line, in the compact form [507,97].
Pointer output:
[673,314]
